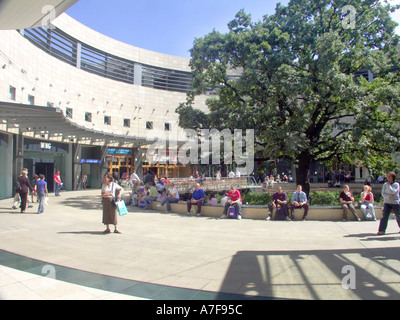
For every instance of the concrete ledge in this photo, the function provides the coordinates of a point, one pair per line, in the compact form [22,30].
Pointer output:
[261,212]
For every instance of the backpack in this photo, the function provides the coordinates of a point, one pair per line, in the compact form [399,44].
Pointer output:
[279,214]
[18,186]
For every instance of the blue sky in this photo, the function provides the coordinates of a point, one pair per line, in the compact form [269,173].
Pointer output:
[167,26]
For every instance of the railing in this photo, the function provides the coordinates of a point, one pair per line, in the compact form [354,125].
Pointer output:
[186,185]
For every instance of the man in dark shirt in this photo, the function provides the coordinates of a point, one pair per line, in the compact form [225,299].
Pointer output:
[279,200]
[346,200]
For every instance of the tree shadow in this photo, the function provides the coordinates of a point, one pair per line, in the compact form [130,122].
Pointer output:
[92,203]
[313,275]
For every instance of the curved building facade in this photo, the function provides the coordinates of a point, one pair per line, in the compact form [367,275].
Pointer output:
[100,85]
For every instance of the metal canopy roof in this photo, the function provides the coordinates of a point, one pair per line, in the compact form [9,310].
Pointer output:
[50,124]
[21,14]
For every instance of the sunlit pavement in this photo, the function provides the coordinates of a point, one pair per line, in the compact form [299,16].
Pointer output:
[63,254]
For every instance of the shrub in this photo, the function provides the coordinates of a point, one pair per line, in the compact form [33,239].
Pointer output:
[325,198]
[256,198]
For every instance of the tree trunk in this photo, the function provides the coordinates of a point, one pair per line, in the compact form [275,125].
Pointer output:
[304,160]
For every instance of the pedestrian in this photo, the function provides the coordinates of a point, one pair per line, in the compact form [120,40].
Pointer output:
[23,189]
[85,181]
[347,203]
[57,180]
[42,192]
[367,203]
[34,193]
[390,194]
[110,192]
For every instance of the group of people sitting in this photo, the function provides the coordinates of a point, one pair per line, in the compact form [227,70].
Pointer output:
[280,207]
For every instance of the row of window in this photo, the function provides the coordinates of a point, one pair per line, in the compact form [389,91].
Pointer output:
[13,96]
[88,115]
[107,120]
[68,49]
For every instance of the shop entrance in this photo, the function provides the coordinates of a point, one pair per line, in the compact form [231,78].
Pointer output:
[47,169]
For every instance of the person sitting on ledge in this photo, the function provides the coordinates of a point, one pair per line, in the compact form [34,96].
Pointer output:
[299,200]
[346,201]
[173,197]
[198,198]
[279,200]
[234,199]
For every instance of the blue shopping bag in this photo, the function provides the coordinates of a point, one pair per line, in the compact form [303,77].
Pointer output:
[121,208]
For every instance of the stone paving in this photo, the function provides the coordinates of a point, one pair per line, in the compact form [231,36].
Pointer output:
[63,254]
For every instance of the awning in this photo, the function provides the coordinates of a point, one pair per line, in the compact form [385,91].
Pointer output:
[48,123]
[23,14]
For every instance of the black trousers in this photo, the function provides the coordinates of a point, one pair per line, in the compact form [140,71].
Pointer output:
[24,199]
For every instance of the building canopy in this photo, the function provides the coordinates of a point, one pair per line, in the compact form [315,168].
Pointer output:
[51,124]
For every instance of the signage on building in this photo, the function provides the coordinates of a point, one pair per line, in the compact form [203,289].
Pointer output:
[122,152]
[45,145]
[90,161]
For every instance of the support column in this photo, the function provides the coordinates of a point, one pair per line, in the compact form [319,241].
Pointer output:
[137,157]
[18,147]
[77,166]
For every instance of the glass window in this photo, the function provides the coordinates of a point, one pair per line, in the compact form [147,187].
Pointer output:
[68,113]
[31,100]
[149,125]
[167,127]
[12,93]
[88,117]
[127,123]
[107,120]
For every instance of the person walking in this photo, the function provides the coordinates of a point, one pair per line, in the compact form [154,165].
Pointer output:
[23,190]
[110,192]
[390,194]
[57,180]
[42,192]
[84,181]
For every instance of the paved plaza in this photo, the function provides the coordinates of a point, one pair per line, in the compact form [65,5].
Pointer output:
[63,254]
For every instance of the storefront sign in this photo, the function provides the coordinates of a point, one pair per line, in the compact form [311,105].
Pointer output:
[123,152]
[45,145]
[90,161]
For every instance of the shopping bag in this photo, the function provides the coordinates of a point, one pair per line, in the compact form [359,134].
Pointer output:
[121,208]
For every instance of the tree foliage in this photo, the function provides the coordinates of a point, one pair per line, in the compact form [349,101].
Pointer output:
[291,78]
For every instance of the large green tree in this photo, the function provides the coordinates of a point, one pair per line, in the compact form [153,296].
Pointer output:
[291,78]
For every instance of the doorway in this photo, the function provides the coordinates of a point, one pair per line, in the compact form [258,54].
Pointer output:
[47,169]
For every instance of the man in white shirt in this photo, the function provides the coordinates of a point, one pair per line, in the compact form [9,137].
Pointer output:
[173,197]
[134,177]
[390,194]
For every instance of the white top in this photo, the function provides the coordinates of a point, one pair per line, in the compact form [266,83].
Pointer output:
[112,188]
[134,178]
[174,191]
[390,193]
